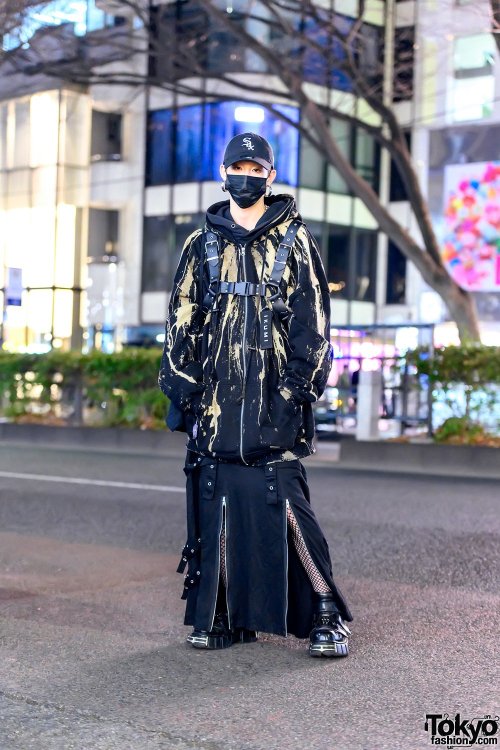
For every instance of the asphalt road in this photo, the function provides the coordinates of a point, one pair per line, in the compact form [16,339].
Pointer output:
[92,645]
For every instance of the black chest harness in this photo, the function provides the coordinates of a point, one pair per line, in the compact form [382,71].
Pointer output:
[248,288]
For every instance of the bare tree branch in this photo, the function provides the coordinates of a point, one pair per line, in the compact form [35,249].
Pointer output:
[187,50]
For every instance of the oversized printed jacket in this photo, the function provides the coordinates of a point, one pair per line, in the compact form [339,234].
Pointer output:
[242,402]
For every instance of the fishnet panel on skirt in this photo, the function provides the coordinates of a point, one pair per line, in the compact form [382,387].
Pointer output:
[318,582]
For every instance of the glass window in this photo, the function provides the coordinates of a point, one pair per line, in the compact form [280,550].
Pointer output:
[84,14]
[370,54]
[103,234]
[98,19]
[314,62]
[226,119]
[317,230]
[337,266]
[404,63]
[106,142]
[365,265]
[341,132]
[324,66]
[359,148]
[164,238]
[188,144]
[225,52]
[473,98]
[22,135]
[474,79]
[157,242]
[396,276]
[367,157]
[160,148]
[190,148]
[312,166]
[184,225]
[474,53]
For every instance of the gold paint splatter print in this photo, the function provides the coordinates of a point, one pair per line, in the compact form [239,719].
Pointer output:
[235,378]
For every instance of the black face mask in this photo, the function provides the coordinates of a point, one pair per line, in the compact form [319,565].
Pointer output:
[244,189]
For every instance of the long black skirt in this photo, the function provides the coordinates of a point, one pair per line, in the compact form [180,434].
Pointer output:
[268,589]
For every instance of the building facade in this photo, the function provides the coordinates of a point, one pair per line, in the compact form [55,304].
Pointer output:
[101,184]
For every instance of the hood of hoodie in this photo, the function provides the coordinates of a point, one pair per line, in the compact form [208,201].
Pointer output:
[279,208]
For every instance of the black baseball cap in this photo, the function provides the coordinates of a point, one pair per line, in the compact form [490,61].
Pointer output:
[249,147]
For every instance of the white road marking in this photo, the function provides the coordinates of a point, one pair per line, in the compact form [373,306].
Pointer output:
[97,482]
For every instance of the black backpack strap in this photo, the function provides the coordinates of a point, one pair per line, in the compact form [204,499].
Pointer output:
[244,287]
[280,261]
[212,259]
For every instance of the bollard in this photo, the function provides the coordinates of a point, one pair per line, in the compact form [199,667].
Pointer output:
[368,407]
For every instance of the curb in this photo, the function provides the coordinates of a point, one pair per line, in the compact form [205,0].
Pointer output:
[157,441]
[428,459]
[423,458]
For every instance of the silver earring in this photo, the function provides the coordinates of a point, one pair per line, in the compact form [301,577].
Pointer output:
[269,190]
[223,187]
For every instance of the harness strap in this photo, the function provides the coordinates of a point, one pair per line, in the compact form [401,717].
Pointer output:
[247,288]
[212,258]
[280,261]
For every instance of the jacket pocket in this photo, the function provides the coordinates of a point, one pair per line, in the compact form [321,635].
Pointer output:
[285,420]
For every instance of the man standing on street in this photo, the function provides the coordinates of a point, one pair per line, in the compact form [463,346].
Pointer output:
[246,353]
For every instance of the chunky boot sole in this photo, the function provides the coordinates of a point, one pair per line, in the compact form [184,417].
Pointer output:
[328,649]
[198,639]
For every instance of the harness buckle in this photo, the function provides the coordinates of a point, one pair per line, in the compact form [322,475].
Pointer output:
[212,250]
[275,294]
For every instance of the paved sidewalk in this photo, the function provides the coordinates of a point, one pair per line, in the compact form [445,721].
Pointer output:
[92,643]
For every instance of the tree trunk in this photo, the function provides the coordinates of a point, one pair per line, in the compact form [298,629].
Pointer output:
[461,307]
[458,301]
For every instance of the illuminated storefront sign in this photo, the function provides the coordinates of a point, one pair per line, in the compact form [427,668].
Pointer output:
[471,230]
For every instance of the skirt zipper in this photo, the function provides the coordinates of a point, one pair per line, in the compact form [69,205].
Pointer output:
[224,512]
[222,525]
[285,505]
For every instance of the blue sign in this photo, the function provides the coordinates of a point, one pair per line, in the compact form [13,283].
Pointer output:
[14,291]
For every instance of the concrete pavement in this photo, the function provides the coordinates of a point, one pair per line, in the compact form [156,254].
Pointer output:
[92,645]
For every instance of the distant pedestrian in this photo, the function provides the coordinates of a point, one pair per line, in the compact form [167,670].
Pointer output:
[246,353]
[355,384]
[344,390]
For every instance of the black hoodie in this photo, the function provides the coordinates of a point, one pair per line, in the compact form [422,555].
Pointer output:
[244,403]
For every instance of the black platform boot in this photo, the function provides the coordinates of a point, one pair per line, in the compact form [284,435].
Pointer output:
[218,637]
[329,637]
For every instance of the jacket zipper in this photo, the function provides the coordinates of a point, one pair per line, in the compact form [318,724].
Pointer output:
[285,505]
[222,525]
[242,248]
[224,511]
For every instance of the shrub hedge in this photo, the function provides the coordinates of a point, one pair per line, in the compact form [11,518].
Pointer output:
[119,389]
[467,379]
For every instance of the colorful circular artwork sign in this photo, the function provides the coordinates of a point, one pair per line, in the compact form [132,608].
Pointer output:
[471,243]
